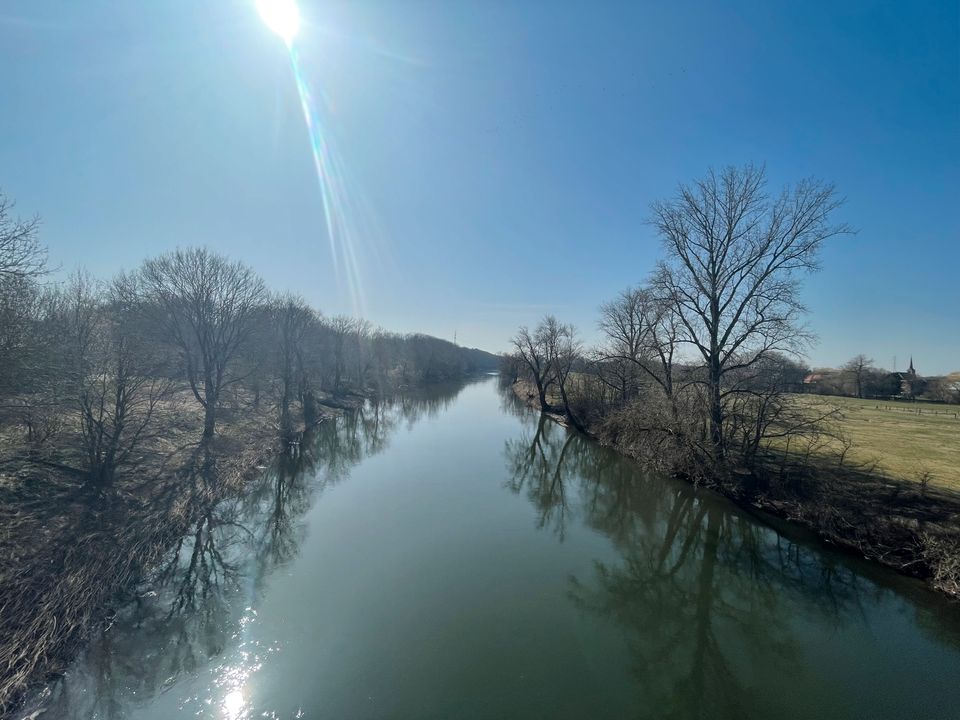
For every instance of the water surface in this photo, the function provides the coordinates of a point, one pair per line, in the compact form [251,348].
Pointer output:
[452,555]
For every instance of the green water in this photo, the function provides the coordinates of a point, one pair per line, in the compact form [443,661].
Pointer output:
[451,556]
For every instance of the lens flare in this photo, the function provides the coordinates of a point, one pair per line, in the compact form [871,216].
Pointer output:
[339,208]
[343,209]
[281,16]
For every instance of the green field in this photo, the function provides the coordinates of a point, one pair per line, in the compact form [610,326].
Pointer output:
[906,440]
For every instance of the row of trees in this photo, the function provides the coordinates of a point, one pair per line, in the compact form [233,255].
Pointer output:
[700,356]
[97,359]
[860,377]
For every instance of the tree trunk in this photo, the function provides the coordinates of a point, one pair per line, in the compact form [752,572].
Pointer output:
[542,392]
[210,400]
[209,421]
[309,408]
[716,411]
[566,408]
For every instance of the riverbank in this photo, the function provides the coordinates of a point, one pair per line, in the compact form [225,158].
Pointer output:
[512,569]
[71,556]
[911,529]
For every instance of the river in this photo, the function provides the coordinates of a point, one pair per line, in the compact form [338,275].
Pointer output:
[452,555]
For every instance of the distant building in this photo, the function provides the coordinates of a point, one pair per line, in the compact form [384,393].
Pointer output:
[823,381]
[909,382]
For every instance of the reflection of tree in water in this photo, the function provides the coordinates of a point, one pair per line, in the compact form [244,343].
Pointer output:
[537,465]
[702,593]
[419,403]
[194,606]
[510,404]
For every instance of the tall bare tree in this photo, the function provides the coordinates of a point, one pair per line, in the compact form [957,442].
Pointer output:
[205,303]
[734,256]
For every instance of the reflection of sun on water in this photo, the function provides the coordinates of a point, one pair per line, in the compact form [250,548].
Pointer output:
[234,678]
[233,704]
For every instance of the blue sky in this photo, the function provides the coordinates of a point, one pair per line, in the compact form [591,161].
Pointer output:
[499,157]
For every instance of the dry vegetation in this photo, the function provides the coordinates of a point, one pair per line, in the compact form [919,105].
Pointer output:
[910,524]
[68,556]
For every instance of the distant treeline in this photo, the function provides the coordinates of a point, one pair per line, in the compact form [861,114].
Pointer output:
[96,358]
[860,377]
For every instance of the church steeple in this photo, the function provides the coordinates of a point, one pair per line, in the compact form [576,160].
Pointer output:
[911,370]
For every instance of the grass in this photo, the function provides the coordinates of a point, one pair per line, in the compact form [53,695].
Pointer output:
[906,440]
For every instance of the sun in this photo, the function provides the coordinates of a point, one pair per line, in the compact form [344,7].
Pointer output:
[281,16]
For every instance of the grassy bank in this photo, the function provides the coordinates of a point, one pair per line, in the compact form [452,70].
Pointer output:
[910,442]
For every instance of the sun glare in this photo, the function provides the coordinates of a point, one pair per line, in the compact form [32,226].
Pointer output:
[281,16]
[233,704]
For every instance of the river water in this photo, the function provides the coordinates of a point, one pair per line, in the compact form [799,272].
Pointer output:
[451,555]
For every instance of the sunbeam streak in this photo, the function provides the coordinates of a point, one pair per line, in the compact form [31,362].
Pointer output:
[283,18]
[333,190]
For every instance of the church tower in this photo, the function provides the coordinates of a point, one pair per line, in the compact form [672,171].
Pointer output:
[911,372]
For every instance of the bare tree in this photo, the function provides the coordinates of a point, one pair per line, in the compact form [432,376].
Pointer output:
[21,254]
[734,255]
[117,380]
[32,340]
[362,330]
[205,304]
[858,370]
[564,350]
[624,326]
[641,332]
[761,409]
[342,328]
[292,318]
[22,262]
[534,350]
[946,389]
[106,380]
